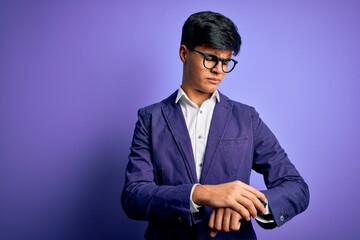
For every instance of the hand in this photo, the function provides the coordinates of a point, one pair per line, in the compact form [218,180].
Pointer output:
[236,195]
[223,219]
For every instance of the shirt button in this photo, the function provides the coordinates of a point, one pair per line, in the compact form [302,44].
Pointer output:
[200,165]
[199,137]
[200,111]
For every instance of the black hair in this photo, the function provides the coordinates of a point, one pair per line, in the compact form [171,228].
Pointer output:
[211,29]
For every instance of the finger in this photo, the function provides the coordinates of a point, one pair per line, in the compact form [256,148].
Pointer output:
[211,223]
[259,195]
[254,191]
[241,210]
[257,204]
[219,219]
[260,206]
[226,219]
[248,204]
[235,221]
[243,190]
[251,202]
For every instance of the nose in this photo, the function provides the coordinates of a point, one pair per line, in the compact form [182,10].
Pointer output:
[218,68]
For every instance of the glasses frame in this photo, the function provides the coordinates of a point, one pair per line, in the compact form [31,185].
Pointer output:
[218,59]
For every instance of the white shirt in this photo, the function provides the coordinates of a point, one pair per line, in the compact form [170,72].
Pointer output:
[198,120]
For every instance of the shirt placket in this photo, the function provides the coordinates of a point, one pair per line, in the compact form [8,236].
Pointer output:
[200,141]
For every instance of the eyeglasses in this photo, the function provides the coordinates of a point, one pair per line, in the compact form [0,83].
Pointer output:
[211,61]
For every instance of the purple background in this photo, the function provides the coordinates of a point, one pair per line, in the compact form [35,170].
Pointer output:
[73,74]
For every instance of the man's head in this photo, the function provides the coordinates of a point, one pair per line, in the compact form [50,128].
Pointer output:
[207,43]
[212,30]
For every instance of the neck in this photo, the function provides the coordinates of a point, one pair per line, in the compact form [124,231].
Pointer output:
[196,96]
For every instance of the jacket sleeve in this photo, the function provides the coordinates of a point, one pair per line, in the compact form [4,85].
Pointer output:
[287,192]
[142,197]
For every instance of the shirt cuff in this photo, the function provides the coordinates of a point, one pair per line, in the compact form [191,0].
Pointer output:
[194,208]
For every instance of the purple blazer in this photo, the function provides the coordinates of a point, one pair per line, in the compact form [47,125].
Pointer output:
[161,169]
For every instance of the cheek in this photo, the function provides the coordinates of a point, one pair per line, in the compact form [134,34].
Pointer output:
[195,71]
[197,75]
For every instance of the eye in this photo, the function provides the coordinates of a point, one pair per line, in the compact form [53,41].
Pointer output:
[211,57]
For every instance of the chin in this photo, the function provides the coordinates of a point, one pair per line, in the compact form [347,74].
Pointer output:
[209,91]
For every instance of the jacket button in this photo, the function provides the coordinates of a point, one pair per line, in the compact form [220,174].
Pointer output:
[282,218]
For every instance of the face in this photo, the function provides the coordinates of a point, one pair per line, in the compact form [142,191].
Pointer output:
[198,81]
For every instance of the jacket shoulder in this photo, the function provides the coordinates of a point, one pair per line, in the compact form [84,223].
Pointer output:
[156,107]
[238,106]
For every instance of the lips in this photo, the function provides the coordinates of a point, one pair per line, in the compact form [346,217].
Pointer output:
[214,80]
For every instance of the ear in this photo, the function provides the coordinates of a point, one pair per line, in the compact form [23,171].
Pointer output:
[183,53]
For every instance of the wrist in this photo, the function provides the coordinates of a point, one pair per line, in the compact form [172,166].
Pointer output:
[193,206]
[199,196]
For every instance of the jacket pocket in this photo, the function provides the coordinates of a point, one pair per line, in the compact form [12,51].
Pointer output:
[234,142]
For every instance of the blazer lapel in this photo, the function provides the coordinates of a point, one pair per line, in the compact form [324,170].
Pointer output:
[176,122]
[220,118]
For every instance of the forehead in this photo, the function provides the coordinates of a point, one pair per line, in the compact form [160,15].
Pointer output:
[217,52]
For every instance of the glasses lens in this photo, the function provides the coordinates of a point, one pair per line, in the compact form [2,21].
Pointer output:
[228,65]
[210,60]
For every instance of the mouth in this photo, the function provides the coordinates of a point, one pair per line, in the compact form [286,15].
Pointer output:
[214,80]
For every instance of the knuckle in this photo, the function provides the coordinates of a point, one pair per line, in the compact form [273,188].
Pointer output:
[248,204]
[237,183]
[253,198]
[217,227]
[234,226]
[253,211]
[228,198]
[211,225]
[245,214]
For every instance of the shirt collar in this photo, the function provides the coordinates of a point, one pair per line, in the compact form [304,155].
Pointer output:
[182,94]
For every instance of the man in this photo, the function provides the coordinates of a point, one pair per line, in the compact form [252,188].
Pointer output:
[192,154]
